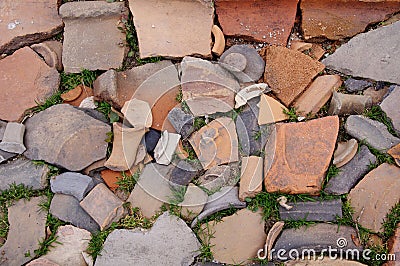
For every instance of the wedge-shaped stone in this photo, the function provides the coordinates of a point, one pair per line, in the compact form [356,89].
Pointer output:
[111,206]
[65,136]
[125,147]
[137,113]
[207,88]
[85,24]
[372,203]
[193,202]
[296,167]
[27,229]
[344,152]
[181,28]
[251,177]
[169,242]
[323,211]
[216,143]
[166,147]
[70,183]
[280,62]
[373,132]
[317,95]
[271,111]
[348,104]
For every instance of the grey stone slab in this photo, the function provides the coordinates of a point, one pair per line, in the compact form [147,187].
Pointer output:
[373,132]
[390,105]
[67,208]
[227,197]
[317,237]
[322,211]
[354,85]
[351,173]
[23,171]
[181,121]
[169,242]
[220,176]
[13,138]
[70,183]
[4,156]
[373,55]
[3,126]
[183,173]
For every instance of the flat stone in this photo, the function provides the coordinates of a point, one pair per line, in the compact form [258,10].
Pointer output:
[333,20]
[65,136]
[70,183]
[250,92]
[322,211]
[373,132]
[390,106]
[227,197]
[344,152]
[111,206]
[316,237]
[125,147]
[395,153]
[383,61]
[27,228]
[51,51]
[348,104]
[243,62]
[351,173]
[88,103]
[72,242]
[219,176]
[155,83]
[25,22]
[13,138]
[137,113]
[178,245]
[251,177]
[394,246]
[183,173]
[216,143]
[207,88]
[42,262]
[326,261]
[354,85]
[25,172]
[85,24]
[165,25]
[317,94]
[24,79]
[4,156]
[259,21]
[67,208]
[271,111]
[151,139]
[377,96]
[182,122]
[237,238]
[372,203]
[297,167]
[152,190]
[166,147]
[3,126]
[281,61]
[193,202]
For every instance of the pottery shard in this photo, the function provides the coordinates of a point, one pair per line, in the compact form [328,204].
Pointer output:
[293,166]
[76,96]
[85,24]
[23,22]
[27,229]
[394,246]
[376,95]
[181,121]
[340,19]
[51,51]
[271,111]
[395,153]
[111,206]
[354,85]
[258,20]
[137,113]
[216,143]
[317,94]
[348,104]
[207,88]
[323,211]
[372,203]
[166,147]
[251,177]
[219,176]
[65,136]
[181,27]
[280,62]
[344,152]
[383,63]
[236,238]
[390,106]
[24,79]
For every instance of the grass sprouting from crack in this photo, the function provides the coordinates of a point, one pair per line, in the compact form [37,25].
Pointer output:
[198,123]
[331,172]
[381,157]
[128,182]
[376,113]
[391,221]
[291,113]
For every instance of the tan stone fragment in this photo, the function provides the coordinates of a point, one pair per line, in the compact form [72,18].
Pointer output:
[271,111]
[251,177]
[344,152]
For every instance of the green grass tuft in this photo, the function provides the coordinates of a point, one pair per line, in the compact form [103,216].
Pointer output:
[70,80]
[376,113]
[391,221]
[293,117]
[128,182]
[381,157]
[198,123]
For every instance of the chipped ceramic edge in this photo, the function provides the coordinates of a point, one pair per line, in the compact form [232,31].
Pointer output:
[250,92]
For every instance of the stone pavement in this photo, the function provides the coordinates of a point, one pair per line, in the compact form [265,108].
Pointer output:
[199,132]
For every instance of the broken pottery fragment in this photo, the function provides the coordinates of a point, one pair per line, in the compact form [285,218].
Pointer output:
[348,104]
[219,43]
[251,177]
[166,147]
[271,111]
[13,138]
[51,51]
[193,202]
[138,113]
[250,92]
[344,152]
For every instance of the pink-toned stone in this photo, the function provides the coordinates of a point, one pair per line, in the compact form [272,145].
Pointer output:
[262,21]
[376,95]
[42,262]
[216,143]
[23,22]
[298,155]
[180,27]
[375,195]
[24,79]
[251,177]
[395,153]
[338,19]
[51,51]
[280,61]
[394,247]
[317,94]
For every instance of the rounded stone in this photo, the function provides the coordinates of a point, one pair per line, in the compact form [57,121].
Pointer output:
[72,94]
[236,62]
